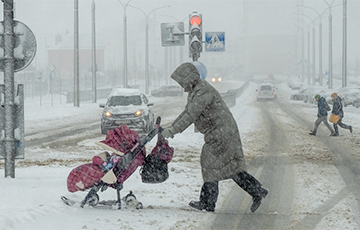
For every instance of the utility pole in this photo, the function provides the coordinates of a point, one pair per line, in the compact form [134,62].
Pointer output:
[93,53]
[9,105]
[76,55]
[344,53]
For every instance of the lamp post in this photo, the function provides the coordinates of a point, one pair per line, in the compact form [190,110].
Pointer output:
[313,51]
[125,83]
[344,53]
[320,41]
[330,45]
[302,48]
[76,55]
[147,79]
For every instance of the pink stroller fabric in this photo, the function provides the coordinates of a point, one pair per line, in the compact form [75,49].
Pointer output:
[84,177]
[119,141]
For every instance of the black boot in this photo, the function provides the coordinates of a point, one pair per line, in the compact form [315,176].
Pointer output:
[257,199]
[252,186]
[200,206]
[208,197]
[312,133]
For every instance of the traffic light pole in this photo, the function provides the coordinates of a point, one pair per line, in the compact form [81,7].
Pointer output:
[9,105]
[195,35]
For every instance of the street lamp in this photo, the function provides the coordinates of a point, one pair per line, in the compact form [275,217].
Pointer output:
[344,62]
[320,41]
[313,51]
[147,80]
[76,55]
[308,50]
[302,48]
[330,45]
[125,44]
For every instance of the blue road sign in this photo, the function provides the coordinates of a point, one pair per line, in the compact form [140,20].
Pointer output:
[215,41]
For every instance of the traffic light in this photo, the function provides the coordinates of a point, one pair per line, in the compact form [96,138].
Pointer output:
[195,35]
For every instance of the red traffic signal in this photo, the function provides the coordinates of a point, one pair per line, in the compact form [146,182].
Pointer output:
[195,35]
[195,19]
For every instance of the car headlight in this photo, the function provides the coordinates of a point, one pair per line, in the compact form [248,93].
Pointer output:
[107,114]
[219,79]
[138,113]
[213,79]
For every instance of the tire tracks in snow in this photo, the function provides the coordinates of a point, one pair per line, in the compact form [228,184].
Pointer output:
[345,162]
[288,144]
[273,171]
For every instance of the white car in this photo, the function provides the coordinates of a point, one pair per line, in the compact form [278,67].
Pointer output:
[129,107]
[348,95]
[266,91]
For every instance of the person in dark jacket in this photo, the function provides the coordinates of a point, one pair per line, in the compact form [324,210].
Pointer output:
[338,110]
[222,154]
[321,115]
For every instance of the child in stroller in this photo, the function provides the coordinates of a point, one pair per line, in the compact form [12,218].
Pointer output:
[111,170]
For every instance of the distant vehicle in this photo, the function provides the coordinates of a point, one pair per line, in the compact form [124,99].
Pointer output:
[311,91]
[129,107]
[356,102]
[294,82]
[266,91]
[217,78]
[168,91]
[299,96]
[348,95]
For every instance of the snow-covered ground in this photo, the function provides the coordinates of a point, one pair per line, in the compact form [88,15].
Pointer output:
[32,199]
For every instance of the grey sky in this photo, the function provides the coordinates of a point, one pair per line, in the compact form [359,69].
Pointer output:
[49,17]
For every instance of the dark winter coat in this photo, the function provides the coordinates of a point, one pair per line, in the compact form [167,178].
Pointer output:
[321,107]
[338,107]
[222,155]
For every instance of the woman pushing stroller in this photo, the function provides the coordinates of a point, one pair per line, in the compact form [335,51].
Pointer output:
[222,155]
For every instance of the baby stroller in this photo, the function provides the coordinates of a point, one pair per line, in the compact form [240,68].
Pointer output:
[112,170]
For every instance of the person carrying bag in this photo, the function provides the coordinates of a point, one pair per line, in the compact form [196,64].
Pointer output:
[337,111]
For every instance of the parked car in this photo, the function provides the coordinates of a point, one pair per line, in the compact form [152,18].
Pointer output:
[129,107]
[291,80]
[300,95]
[295,83]
[168,91]
[356,102]
[348,95]
[311,91]
[266,91]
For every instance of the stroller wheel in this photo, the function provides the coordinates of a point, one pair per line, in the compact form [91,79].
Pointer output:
[94,200]
[139,206]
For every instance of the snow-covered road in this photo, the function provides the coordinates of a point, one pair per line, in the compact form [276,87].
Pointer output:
[311,185]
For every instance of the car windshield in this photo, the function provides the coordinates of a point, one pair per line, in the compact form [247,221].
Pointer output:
[124,100]
[265,87]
